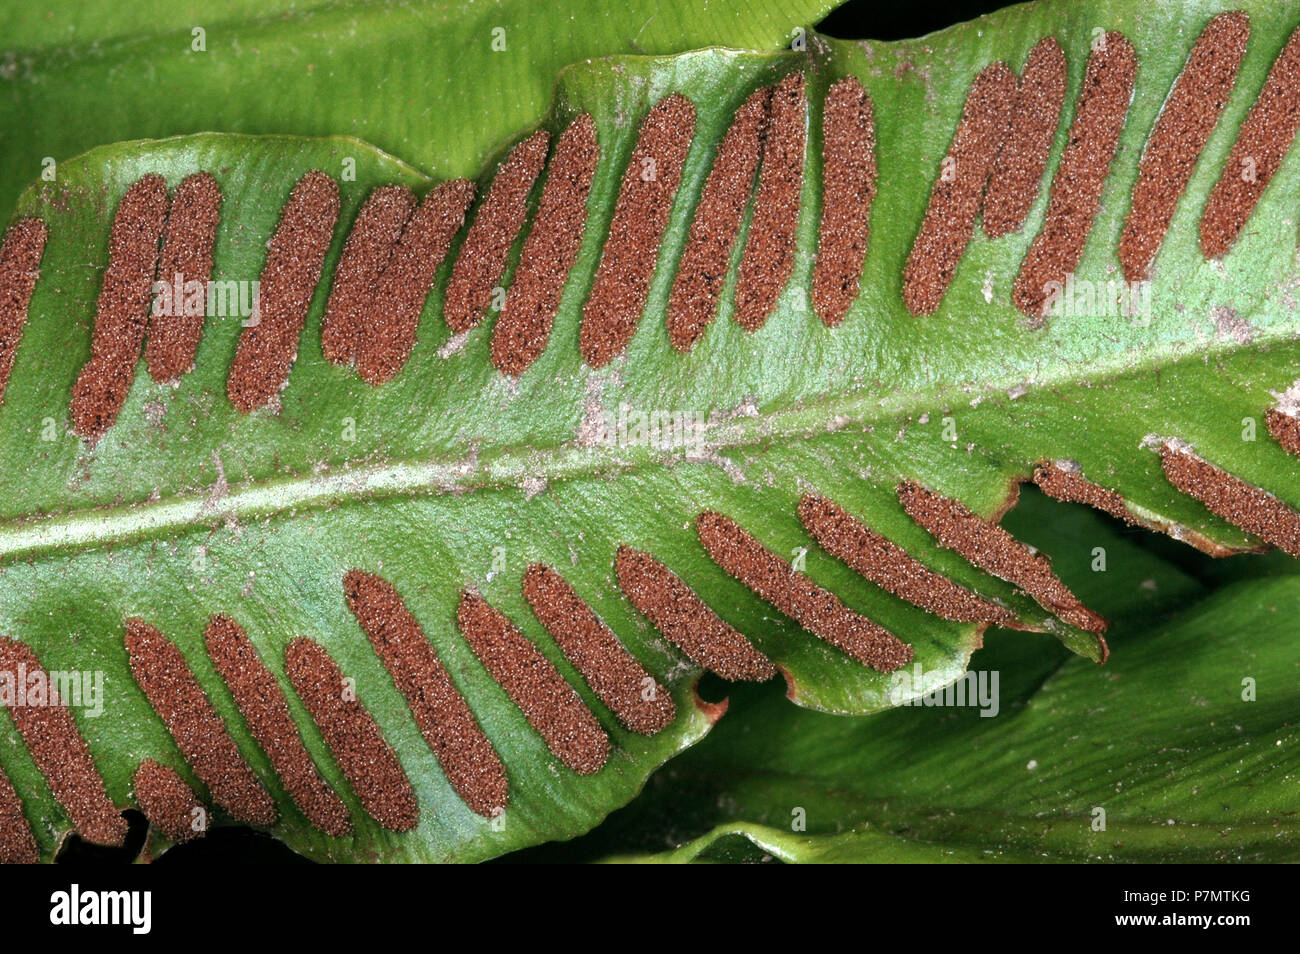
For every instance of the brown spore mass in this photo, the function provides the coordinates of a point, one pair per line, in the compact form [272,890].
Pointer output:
[613,673]
[768,260]
[122,310]
[265,709]
[167,801]
[60,752]
[848,187]
[1262,142]
[20,268]
[815,609]
[1063,482]
[1245,505]
[370,245]
[267,350]
[549,252]
[1189,116]
[702,271]
[17,845]
[1035,115]
[675,610]
[955,197]
[550,704]
[1081,175]
[1285,429]
[365,757]
[888,565]
[486,250]
[188,243]
[175,694]
[995,551]
[463,750]
[645,200]
[404,285]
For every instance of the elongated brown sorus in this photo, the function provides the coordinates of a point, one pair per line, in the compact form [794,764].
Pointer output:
[816,609]
[955,197]
[20,269]
[1080,176]
[370,244]
[353,737]
[57,747]
[268,344]
[170,805]
[1189,116]
[888,565]
[463,750]
[17,844]
[1262,142]
[174,693]
[404,285]
[768,259]
[702,271]
[122,310]
[1285,428]
[1065,482]
[676,611]
[549,252]
[265,709]
[1022,160]
[176,319]
[486,250]
[645,200]
[995,551]
[1245,505]
[550,704]
[848,187]
[614,674]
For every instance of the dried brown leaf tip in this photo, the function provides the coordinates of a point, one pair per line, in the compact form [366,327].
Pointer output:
[645,200]
[848,187]
[955,199]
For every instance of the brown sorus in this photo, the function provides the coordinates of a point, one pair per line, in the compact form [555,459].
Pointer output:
[888,565]
[1080,176]
[60,752]
[1063,481]
[1262,142]
[702,271]
[267,349]
[815,609]
[1245,505]
[1186,121]
[175,694]
[170,805]
[188,243]
[955,198]
[1285,428]
[848,186]
[370,244]
[20,267]
[1036,113]
[486,250]
[549,252]
[645,200]
[265,709]
[444,717]
[613,673]
[676,611]
[550,704]
[408,276]
[17,845]
[995,551]
[768,260]
[123,308]
[353,737]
